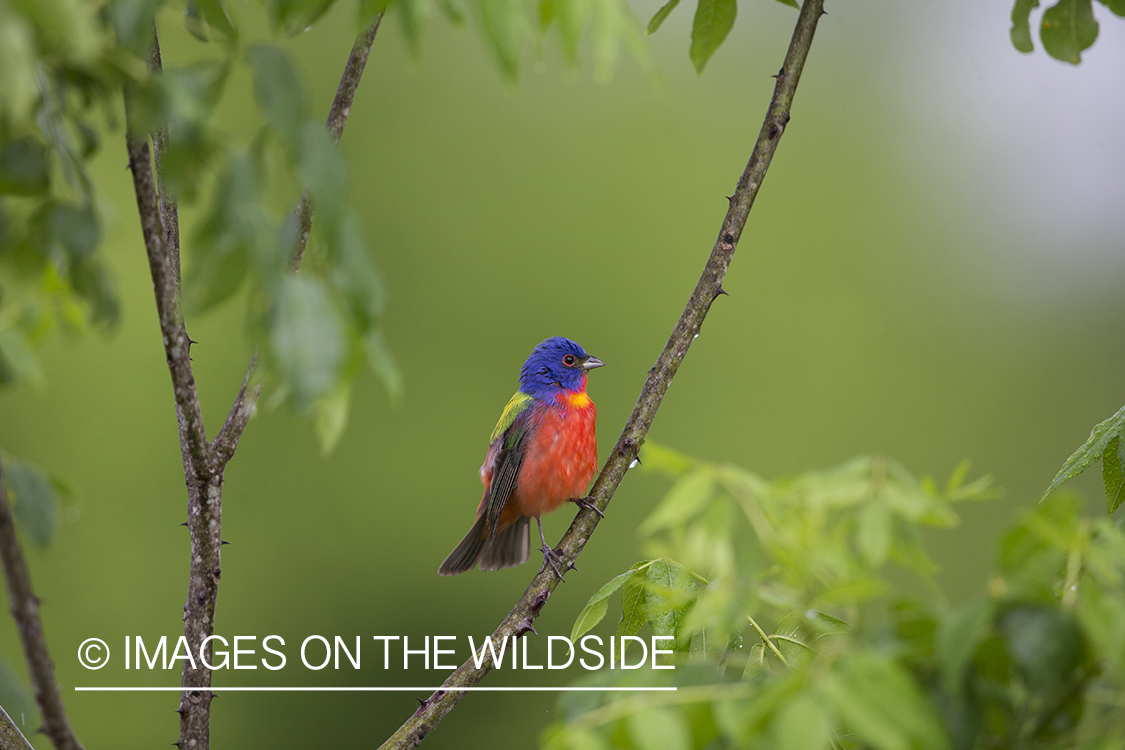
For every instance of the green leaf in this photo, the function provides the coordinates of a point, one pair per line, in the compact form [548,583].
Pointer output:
[216,16]
[306,338]
[1112,475]
[1021,27]
[24,167]
[1116,6]
[16,699]
[686,498]
[598,604]
[17,356]
[504,25]
[35,504]
[803,724]
[278,90]
[18,60]
[1094,448]
[74,228]
[877,699]
[658,19]
[94,284]
[790,3]
[873,534]
[659,729]
[295,16]
[1067,28]
[958,635]
[570,16]
[632,606]
[1045,643]
[713,21]
[331,415]
[656,457]
[413,14]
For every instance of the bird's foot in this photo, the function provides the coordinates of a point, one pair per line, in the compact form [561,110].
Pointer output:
[585,503]
[550,557]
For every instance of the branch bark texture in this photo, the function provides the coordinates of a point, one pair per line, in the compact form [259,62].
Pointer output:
[519,621]
[204,463]
[25,611]
[11,738]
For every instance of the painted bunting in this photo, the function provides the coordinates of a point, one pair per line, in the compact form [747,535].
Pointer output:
[542,454]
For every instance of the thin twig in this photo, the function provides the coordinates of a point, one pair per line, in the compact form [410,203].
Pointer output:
[227,439]
[709,287]
[25,611]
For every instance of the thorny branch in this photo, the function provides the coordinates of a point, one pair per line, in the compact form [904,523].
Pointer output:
[204,463]
[25,611]
[519,621]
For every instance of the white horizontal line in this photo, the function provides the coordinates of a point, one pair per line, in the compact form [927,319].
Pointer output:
[352,689]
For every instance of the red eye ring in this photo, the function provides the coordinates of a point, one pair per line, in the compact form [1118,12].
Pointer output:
[569,360]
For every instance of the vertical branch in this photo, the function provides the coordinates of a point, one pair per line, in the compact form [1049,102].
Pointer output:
[25,611]
[160,229]
[520,620]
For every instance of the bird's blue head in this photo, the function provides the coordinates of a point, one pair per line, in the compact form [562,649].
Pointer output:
[557,363]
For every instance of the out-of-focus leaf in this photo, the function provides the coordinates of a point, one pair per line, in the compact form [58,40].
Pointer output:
[1045,643]
[873,535]
[598,604]
[95,285]
[504,24]
[877,699]
[322,170]
[1117,6]
[35,503]
[306,338]
[24,167]
[803,724]
[413,14]
[74,228]
[214,12]
[659,729]
[958,635]
[713,21]
[18,357]
[1095,445]
[17,67]
[331,415]
[16,699]
[633,614]
[570,16]
[295,16]
[453,10]
[658,18]
[382,362]
[278,89]
[1112,475]
[659,458]
[790,3]
[133,21]
[1067,28]
[1021,27]
[687,497]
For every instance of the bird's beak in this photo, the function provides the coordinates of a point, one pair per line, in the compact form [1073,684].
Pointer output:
[591,362]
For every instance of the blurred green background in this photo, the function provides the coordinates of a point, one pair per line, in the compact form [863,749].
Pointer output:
[933,271]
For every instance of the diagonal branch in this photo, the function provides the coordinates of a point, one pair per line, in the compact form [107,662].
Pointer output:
[25,611]
[11,738]
[710,286]
[227,439]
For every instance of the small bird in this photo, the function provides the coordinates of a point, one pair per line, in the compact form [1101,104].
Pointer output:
[542,454]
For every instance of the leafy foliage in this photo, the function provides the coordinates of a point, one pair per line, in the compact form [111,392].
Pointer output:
[34,500]
[805,617]
[1067,28]
[1105,443]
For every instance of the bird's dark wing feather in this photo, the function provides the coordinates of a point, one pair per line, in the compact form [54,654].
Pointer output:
[509,458]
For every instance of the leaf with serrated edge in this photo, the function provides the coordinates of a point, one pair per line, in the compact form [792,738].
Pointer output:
[1095,446]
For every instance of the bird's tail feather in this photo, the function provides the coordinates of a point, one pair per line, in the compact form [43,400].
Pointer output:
[509,547]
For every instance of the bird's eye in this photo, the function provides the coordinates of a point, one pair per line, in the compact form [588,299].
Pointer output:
[569,360]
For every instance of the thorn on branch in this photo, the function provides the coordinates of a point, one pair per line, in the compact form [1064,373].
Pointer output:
[774,131]
[540,599]
[222,542]
[780,73]
[719,292]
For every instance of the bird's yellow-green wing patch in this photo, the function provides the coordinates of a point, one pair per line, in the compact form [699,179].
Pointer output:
[516,406]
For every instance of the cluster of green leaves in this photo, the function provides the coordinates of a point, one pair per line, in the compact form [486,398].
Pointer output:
[710,26]
[55,68]
[1107,443]
[805,617]
[1067,28]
